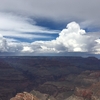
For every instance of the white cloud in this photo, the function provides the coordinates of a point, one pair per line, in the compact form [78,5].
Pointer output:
[27,49]
[9,46]
[12,34]
[3,44]
[12,25]
[98,41]
[97,47]
[79,10]
[70,39]
[16,22]
[73,38]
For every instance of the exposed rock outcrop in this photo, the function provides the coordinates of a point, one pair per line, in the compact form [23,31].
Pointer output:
[42,96]
[33,95]
[74,97]
[90,93]
[24,96]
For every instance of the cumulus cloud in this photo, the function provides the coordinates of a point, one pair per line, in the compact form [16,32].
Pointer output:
[27,49]
[97,47]
[70,39]
[74,38]
[6,46]
[3,44]
[17,20]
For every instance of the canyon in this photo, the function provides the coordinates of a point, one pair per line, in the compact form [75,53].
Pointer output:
[49,78]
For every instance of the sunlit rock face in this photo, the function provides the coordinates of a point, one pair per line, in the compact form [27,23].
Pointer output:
[24,96]
[96,91]
[90,93]
[33,95]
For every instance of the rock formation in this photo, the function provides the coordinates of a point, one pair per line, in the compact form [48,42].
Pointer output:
[24,96]
[50,78]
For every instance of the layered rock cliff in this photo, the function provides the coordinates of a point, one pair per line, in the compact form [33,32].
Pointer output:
[59,78]
[64,90]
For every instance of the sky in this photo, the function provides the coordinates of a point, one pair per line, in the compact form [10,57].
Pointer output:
[50,28]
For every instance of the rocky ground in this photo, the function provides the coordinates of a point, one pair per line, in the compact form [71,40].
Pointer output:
[49,78]
[86,88]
